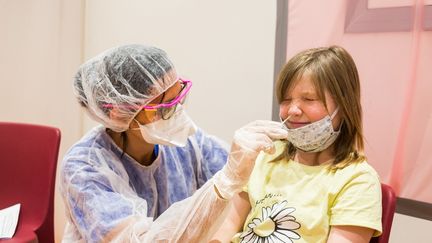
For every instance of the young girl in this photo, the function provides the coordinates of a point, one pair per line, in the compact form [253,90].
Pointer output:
[317,187]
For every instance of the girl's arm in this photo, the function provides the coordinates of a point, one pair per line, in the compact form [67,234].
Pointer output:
[348,233]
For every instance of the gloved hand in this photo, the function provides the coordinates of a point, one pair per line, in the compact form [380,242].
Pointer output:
[248,142]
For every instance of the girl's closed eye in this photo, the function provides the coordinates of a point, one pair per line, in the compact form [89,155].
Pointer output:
[287,101]
[310,99]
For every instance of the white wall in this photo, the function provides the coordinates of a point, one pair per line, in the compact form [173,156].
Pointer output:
[225,47]
[409,229]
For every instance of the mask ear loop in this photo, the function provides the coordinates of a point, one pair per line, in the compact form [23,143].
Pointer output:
[139,125]
[334,113]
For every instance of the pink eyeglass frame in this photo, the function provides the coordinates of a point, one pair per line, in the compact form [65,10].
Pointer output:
[176,100]
[173,102]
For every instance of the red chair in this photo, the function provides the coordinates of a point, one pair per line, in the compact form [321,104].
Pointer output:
[388,210]
[28,161]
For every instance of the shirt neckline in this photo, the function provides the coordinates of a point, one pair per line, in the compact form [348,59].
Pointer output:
[118,151]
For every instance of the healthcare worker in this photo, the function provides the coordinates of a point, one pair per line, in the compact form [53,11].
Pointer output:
[120,181]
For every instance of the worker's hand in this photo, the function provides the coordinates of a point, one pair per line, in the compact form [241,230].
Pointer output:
[248,142]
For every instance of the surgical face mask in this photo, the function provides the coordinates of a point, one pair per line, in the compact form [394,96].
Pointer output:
[173,131]
[314,137]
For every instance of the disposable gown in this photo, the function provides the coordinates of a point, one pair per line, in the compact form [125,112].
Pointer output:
[111,197]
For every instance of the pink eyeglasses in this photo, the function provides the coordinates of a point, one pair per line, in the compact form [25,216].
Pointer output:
[186,85]
[165,111]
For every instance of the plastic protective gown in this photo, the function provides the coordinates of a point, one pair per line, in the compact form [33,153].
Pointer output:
[111,197]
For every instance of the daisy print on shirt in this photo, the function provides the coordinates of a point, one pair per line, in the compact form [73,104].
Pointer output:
[276,225]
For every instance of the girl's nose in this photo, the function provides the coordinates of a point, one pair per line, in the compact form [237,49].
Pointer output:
[294,110]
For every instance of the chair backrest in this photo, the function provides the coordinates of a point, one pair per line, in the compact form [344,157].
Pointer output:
[388,210]
[28,162]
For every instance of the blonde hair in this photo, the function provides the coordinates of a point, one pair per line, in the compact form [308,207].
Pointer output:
[332,69]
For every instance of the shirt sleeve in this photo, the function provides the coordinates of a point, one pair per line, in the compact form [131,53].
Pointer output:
[91,195]
[358,203]
[214,152]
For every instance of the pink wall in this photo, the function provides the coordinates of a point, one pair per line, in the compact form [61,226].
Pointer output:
[395,71]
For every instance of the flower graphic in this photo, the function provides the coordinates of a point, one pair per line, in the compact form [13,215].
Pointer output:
[275,225]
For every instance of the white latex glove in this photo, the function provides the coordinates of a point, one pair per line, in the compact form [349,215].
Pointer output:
[248,142]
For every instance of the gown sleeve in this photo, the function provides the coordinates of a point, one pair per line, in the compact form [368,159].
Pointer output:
[104,208]
[214,153]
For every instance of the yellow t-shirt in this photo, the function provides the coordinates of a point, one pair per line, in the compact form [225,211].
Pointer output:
[292,202]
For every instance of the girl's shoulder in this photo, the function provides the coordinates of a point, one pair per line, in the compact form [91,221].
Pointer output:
[358,167]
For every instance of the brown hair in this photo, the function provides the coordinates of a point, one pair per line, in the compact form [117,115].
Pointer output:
[332,69]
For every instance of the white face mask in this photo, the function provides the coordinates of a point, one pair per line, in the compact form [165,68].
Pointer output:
[314,137]
[173,131]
